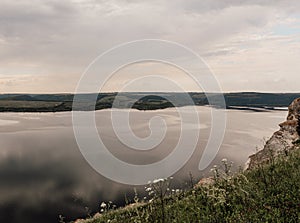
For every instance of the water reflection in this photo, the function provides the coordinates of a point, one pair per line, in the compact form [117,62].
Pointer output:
[43,174]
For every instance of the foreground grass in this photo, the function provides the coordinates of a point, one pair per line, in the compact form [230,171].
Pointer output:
[270,193]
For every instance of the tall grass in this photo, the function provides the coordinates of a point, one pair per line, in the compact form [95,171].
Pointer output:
[269,193]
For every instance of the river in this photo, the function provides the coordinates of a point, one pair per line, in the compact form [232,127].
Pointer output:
[44,175]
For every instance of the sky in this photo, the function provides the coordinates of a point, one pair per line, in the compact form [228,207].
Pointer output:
[45,46]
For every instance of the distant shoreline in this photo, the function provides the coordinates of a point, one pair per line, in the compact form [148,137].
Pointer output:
[252,101]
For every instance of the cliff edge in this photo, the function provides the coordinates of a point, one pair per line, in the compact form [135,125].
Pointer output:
[282,141]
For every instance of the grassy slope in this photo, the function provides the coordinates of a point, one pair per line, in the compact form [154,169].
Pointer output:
[269,193]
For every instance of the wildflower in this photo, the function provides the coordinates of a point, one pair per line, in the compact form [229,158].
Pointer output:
[103,205]
[148,189]
[224,160]
[158,180]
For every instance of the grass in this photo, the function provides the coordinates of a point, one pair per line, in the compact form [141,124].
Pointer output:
[269,193]
[27,104]
[34,106]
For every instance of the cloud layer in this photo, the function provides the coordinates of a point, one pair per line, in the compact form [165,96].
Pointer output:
[250,45]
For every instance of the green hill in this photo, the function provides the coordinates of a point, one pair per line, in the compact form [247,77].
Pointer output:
[140,100]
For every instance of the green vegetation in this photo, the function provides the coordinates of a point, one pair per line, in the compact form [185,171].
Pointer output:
[298,126]
[29,106]
[139,100]
[269,193]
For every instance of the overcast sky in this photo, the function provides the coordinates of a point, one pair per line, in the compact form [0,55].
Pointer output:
[249,45]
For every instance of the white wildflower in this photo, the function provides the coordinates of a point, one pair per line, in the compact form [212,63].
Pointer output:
[103,205]
[158,180]
[148,189]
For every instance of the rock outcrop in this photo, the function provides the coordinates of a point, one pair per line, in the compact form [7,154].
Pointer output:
[282,141]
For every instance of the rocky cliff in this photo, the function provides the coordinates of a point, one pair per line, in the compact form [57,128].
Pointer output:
[282,141]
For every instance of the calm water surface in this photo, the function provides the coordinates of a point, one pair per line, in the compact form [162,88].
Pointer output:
[43,174]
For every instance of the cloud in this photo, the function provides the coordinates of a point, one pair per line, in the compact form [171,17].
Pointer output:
[60,38]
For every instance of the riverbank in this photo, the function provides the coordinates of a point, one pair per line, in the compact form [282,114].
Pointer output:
[268,193]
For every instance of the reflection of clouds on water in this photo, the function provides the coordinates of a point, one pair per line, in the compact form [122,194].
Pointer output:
[43,174]
[196,126]
[276,117]
[28,186]
[255,134]
[7,122]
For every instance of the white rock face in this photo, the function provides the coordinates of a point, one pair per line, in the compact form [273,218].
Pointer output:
[282,140]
